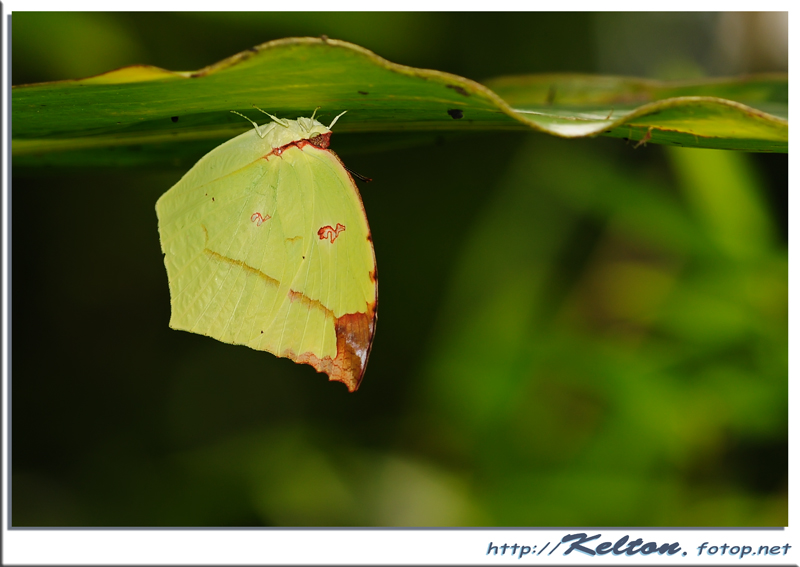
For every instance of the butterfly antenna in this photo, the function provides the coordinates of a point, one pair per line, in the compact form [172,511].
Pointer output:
[275,118]
[260,135]
[356,174]
[334,121]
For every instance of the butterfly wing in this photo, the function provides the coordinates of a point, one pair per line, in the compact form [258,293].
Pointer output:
[275,254]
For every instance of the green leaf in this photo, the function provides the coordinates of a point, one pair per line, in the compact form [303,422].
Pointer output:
[144,115]
[749,113]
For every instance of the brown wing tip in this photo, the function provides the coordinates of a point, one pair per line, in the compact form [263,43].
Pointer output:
[354,334]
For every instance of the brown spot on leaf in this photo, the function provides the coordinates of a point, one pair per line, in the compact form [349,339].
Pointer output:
[455,113]
[363,92]
[551,95]
[174,118]
[458,89]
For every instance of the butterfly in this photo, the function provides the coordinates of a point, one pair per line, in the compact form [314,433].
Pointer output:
[266,244]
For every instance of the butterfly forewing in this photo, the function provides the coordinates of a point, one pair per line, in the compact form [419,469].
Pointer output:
[276,255]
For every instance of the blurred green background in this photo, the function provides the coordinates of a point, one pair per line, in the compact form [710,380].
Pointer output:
[571,332]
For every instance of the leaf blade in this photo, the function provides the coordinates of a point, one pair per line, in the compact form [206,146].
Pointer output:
[79,122]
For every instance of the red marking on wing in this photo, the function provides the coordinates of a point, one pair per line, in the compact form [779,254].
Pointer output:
[258,219]
[330,232]
[320,141]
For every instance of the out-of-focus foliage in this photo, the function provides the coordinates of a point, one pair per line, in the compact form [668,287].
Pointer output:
[571,332]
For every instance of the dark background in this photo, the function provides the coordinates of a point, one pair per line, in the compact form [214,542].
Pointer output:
[571,332]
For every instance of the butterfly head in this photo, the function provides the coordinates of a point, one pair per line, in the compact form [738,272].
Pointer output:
[315,131]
